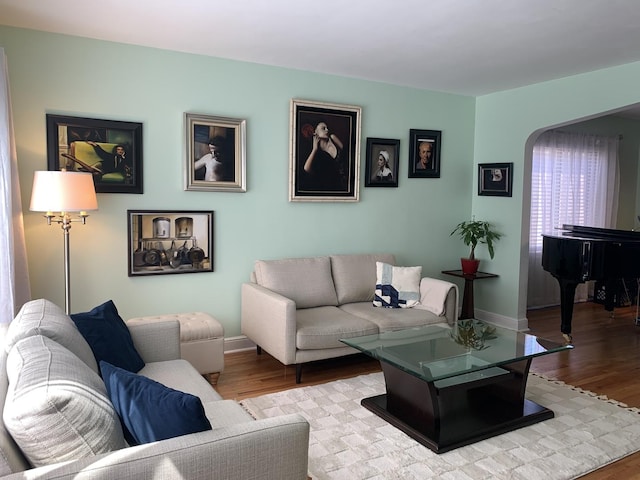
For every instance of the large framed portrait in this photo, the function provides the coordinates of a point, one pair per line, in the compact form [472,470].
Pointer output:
[424,153]
[216,153]
[109,149]
[495,179]
[324,163]
[165,242]
[381,168]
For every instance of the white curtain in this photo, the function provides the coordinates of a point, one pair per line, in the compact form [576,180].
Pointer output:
[14,276]
[574,181]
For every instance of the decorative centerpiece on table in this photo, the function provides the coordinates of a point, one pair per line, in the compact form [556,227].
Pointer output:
[472,333]
[473,232]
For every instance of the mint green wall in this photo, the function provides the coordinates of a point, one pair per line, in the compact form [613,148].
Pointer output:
[86,78]
[507,124]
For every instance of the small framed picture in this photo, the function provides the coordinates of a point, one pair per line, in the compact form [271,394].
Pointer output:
[424,153]
[324,164]
[109,149]
[216,154]
[165,242]
[381,169]
[495,179]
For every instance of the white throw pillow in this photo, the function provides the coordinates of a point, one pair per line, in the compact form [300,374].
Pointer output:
[397,287]
[57,408]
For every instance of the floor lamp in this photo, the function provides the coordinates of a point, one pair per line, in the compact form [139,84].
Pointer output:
[60,194]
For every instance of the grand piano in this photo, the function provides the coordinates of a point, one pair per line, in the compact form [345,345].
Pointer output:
[577,254]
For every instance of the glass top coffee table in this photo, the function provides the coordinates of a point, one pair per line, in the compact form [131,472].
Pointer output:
[451,387]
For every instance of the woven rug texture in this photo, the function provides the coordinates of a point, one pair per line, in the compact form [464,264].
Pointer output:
[349,442]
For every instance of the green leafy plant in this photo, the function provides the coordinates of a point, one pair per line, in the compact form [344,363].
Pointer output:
[473,333]
[476,231]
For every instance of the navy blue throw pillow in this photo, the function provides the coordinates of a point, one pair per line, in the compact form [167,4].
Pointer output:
[108,336]
[150,411]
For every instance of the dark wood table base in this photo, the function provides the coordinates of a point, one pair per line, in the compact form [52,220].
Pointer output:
[444,416]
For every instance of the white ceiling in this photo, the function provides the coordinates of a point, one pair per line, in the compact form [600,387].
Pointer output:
[470,47]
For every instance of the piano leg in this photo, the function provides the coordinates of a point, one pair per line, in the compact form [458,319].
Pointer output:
[567,297]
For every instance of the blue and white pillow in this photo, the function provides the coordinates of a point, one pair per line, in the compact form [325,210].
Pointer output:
[397,287]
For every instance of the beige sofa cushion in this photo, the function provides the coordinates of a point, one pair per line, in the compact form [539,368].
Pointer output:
[306,281]
[355,276]
[57,408]
[42,317]
[323,327]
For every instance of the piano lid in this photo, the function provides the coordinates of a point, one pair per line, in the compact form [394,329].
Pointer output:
[596,233]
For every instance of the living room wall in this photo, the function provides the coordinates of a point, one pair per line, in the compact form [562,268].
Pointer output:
[66,75]
[507,125]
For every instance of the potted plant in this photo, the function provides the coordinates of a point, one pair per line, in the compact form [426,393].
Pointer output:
[473,232]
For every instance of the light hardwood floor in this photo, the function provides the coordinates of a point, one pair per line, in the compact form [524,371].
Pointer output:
[605,360]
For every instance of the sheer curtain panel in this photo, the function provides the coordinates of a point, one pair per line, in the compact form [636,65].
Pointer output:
[574,180]
[14,276]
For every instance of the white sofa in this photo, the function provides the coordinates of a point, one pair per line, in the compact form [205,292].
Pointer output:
[298,309]
[237,446]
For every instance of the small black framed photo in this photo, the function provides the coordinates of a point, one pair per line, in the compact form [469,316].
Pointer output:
[495,179]
[216,156]
[424,153]
[109,149]
[381,169]
[165,242]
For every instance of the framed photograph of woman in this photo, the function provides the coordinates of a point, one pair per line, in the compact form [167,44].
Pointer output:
[215,158]
[110,149]
[424,153]
[324,163]
[381,168]
[495,179]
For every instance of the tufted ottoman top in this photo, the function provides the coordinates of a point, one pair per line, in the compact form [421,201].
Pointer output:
[193,325]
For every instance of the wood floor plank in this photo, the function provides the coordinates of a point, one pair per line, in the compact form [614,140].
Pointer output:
[605,360]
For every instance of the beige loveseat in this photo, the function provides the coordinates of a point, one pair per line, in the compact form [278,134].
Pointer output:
[298,309]
[77,434]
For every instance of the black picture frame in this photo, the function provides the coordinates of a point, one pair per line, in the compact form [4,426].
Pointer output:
[424,138]
[389,150]
[495,179]
[336,178]
[229,136]
[93,145]
[163,242]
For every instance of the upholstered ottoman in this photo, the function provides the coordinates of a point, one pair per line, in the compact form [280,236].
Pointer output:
[201,339]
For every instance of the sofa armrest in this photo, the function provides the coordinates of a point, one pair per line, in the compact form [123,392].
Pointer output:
[439,297]
[265,449]
[157,341]
[269,320]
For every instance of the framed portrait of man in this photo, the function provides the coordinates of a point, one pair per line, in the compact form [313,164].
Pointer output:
[424,153]
[215,157]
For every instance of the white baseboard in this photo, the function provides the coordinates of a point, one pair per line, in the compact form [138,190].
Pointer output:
[237,344]
[502,321]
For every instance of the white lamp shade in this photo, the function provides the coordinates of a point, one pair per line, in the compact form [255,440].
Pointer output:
[61,191]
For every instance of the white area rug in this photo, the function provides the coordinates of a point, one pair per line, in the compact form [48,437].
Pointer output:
[349,442]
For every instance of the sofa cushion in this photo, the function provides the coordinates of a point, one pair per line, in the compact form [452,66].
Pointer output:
[108,336]
[149,410]
[388,319]
[355,276]
[306,281]
[397,287]
[42,317]
[57,408]
[323,327]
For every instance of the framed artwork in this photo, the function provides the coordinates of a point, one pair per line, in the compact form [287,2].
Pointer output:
[165,242]
[110,149]
[324,164]
[381,168]
[216,155]
[424,153]
[495,179]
